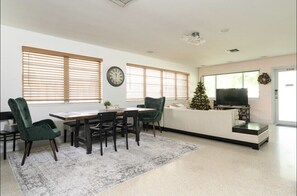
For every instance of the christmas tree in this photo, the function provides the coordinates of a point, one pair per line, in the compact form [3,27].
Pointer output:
[200,100]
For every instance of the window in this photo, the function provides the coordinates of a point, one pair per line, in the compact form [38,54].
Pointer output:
[153,83]
[233,80]
[145,81]
[169,84]
[54,76]
[210,85]
[135,82]
[229,81]
[182,86]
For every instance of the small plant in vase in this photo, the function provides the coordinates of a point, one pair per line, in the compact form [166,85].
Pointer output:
[106,104]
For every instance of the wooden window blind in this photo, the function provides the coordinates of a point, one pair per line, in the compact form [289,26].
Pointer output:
[135,82]
[153,83]
[144,81]
[181,86]
[56,76]
[169,84]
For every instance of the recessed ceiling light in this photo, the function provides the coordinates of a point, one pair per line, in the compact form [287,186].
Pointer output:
[232,50]
[225,30]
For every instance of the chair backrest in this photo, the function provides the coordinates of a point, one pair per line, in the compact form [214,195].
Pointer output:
[130,114]
[21,113]
[106,117]
[140,106]
[6,116]
[158,104]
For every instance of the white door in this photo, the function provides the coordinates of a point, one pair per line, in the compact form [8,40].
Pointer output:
[285,96]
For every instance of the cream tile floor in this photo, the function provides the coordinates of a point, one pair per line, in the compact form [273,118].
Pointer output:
[217,168]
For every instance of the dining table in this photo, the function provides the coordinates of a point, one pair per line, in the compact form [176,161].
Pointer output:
[87,115]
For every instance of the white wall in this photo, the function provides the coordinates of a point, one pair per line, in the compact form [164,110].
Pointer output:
[262,108]
[12,40]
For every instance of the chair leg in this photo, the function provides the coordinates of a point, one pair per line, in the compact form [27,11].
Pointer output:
[4,147]
[154,130]
[25,153]
[65,135]
[13,144]
[115,140]
[159,127]
[105,138]
[30,146]
[56,147]
[100,135]
[136,130]
[53,149]
[127,138]
[72,137]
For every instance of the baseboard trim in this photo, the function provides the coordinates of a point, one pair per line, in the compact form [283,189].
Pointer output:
[242,143]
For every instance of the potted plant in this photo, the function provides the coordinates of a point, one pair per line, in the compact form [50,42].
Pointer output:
[106,104]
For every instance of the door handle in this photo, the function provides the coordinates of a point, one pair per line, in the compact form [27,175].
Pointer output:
[276,93]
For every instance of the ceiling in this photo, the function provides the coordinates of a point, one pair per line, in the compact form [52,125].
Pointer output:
[258,28]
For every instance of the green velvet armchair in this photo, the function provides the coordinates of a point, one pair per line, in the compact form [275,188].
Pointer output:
[152,117]
[29,132]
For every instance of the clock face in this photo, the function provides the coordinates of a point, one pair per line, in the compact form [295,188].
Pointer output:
[115,76]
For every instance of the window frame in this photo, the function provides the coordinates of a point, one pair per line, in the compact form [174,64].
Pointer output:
[242,81]
[161,84]
[66,91]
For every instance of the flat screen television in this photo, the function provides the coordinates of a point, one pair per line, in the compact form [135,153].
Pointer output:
[232,97]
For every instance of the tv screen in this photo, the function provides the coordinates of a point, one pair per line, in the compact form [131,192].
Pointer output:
[232,96]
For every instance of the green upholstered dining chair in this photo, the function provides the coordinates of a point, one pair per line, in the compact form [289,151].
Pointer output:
[29,132]
[152,117]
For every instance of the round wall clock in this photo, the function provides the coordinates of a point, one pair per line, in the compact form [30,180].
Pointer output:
[115,76]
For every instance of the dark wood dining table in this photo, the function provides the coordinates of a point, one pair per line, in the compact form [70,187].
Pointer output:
[88,115]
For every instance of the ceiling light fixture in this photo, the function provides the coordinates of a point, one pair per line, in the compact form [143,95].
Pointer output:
[194,39]
[232,50]
[121,3]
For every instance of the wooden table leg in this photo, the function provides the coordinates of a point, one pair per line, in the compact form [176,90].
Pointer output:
[76,133]
[4,147]
[88,136]
[14,137]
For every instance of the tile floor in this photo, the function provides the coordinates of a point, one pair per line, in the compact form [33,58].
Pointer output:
[217,168]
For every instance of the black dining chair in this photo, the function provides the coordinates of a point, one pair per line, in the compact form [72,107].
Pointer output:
[106,126]
[71,125]
[8,134]
[129,124]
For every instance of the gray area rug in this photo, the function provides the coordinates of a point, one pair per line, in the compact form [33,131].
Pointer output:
[76,173]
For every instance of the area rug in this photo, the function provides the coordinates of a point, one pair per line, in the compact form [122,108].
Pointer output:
[76,173]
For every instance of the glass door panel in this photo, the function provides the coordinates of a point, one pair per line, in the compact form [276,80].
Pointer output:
[286,97]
